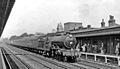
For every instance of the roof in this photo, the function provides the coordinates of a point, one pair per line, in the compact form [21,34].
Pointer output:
[97,32]
[5,9]
[95,29]
[73,23]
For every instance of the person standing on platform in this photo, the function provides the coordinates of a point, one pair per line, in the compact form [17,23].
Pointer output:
[102,49]
[117,49]
[78,47]
[88,48]
[94,48]
[84,48]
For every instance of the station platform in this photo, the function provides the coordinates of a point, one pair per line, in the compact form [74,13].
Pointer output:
[1,60]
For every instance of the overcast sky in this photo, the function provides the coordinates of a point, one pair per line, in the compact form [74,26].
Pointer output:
[43,15]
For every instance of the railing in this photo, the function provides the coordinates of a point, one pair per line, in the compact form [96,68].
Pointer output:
[109,59]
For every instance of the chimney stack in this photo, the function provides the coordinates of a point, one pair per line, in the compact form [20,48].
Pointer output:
[102,23]
[111,21]
[88,26]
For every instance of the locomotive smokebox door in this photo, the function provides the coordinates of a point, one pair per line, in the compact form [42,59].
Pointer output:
[70,41]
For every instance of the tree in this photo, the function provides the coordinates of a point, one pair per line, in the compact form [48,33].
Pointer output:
[38,33]
[24,35]
[13,37]
[31,35]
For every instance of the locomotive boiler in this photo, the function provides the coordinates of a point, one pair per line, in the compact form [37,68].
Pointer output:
[63,42]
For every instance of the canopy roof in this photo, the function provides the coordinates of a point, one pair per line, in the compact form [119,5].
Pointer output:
[5,9]
[97,32]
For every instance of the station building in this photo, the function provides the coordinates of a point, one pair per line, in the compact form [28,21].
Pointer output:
[106,37]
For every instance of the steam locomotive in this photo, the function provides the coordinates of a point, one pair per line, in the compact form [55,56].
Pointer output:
[59,47]
[62,47]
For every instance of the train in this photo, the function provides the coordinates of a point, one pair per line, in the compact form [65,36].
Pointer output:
[60,47]
[64,48]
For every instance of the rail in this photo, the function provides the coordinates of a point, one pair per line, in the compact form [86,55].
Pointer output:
[54,63]
[26,65]
[7,64]
[14,61]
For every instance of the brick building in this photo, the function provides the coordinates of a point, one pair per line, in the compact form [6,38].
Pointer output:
[109,36]
[72,25]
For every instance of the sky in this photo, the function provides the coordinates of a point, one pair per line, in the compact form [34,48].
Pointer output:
[33,16]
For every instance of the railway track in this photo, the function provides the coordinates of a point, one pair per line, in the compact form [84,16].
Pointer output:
[62,66]
[79,65]
[12,62]
[5,60]
[26,65]
[54,63]
[35,58]
[84,66]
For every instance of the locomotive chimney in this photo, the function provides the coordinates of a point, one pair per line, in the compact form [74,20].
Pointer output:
[102,23]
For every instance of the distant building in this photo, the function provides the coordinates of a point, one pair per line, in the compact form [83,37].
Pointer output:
[72,25]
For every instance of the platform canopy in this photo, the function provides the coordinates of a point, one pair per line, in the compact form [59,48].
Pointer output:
[97,32]
[5,9]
